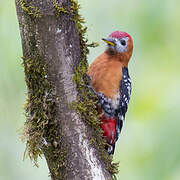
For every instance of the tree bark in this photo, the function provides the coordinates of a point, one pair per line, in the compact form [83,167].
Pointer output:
[51,51]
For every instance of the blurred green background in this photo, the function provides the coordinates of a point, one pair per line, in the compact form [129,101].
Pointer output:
[149,146]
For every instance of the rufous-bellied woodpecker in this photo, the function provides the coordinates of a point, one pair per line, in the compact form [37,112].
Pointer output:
[110,80]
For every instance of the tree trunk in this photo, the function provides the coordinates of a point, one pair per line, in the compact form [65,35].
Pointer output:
[53,42]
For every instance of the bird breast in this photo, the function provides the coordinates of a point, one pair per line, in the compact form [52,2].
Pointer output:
[106,75]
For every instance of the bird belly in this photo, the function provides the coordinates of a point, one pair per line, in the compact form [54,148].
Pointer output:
[115,101]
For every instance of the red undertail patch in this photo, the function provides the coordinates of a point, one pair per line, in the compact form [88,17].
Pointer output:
[109,127]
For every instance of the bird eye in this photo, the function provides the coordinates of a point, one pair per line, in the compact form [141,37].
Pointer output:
[123,42]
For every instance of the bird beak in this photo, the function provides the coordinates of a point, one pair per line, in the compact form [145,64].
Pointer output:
[108,41]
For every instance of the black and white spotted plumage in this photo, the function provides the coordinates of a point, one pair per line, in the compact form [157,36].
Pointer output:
[125,93]
[106,105]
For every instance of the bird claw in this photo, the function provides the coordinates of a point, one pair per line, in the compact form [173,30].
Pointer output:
[91,89]
[87,79]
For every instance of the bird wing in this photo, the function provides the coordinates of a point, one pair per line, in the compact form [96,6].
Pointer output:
[125,93]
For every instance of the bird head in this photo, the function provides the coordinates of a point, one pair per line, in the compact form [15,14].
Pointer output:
[119,43]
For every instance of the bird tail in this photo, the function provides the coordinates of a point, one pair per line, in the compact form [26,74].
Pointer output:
[120,121]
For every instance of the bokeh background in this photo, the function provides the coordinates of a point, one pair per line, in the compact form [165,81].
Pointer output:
[149,146]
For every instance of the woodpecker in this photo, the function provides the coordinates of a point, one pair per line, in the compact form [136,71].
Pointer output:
[110,81]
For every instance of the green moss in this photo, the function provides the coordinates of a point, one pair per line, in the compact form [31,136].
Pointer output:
[29,9]
[58,8]
[41,131]
[86,104]
[38,104]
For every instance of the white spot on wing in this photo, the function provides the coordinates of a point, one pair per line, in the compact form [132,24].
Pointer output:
[58,30]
